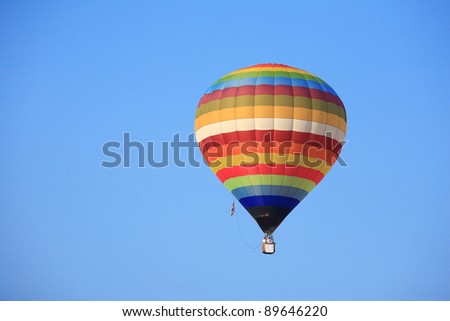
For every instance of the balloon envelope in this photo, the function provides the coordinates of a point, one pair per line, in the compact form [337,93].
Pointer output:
[270,133]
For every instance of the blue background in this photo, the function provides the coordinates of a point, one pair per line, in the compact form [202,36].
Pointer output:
[75,75]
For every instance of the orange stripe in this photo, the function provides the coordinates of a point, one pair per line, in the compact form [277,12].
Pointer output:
[271,112]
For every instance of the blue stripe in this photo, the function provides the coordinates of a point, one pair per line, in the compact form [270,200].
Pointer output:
[272,81]
[282,201]
[269,190]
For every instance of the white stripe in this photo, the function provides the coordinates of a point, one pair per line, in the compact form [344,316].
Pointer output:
[297,125]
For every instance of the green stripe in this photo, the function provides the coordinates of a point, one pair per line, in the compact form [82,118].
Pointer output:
[280,180]
[255,74]
[272,100]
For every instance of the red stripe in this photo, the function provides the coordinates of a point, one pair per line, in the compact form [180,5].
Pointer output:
[263,169]
[277,136]
[271,90]
[269,65]
[284,148]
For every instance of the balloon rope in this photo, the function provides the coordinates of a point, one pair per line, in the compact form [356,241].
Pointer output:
[242,235]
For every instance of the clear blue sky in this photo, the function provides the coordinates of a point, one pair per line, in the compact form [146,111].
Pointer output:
[75,75]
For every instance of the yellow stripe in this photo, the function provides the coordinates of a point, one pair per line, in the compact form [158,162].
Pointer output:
[296,160]
[280,180]
[271,100]
[301,113]
[288,69]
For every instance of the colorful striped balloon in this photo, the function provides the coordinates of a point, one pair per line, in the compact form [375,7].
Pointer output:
[270,133]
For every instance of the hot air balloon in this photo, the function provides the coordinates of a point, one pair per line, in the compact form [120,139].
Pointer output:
[270,133]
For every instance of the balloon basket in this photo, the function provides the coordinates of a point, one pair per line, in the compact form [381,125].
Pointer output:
[268,244]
